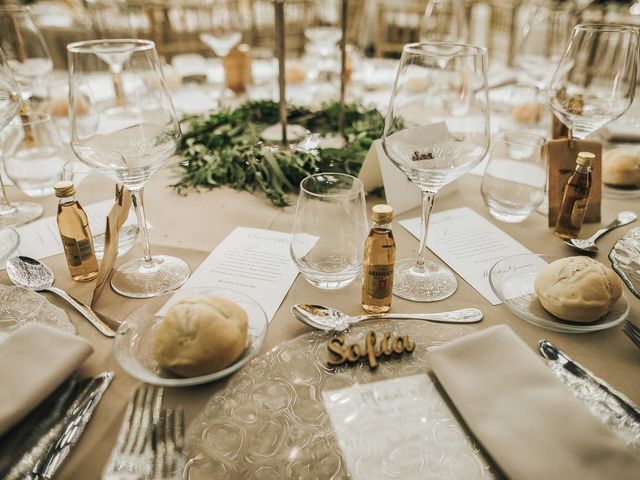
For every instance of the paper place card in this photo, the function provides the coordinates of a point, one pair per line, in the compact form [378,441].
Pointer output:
[400,428]
[41,238]
[469,244]
[251,261]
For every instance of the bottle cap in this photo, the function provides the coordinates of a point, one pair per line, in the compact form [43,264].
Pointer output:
[65,188]
[585,158]
[382,213]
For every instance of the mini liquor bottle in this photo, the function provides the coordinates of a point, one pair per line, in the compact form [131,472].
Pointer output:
[77,241]
[379,260]
[575,198]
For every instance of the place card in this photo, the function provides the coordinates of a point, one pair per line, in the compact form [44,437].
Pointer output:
[469,244]
[41,238]
[251,261]
[400,428]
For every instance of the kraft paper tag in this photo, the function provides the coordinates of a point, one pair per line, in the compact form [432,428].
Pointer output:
[116,218]
[562,155]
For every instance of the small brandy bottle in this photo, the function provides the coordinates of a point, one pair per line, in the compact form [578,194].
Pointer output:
[379,259]
[77,241]
[575,198]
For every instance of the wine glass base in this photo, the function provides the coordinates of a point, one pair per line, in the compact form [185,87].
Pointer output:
[141,279]
[9,241]
[21,213]
[429,283]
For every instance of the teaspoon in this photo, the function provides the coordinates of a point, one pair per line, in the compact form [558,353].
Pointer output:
[29,273]
[326,318]
[588,245]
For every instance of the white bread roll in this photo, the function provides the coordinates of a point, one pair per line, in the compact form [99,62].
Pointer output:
[201,335]
[621,167]
[578,289]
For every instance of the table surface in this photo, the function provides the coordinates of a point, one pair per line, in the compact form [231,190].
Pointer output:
[191,226]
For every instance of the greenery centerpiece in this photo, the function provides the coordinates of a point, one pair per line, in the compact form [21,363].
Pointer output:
[225,148]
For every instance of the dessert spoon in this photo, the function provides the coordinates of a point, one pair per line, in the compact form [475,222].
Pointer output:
[588,245]
[29,273]
[326,318]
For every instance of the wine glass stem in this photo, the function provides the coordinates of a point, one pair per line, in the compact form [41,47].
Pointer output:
[138,206]
[5,206]
[428,198]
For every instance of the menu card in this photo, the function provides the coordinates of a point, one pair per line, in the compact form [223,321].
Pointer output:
[251,261]
[400,428]
[469,244]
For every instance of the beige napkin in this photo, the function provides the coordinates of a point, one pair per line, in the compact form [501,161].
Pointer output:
[34,360]
[526,419]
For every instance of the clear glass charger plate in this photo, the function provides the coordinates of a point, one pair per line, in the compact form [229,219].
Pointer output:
[19,306]
[512,281]
[134,339]
[625,259]
[269,421]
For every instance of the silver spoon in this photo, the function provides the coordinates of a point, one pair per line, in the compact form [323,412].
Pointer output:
[29,273]
[588,245]
[326,318]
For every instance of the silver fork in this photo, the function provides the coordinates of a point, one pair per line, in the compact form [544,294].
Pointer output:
[632,332]
[169,436]
[132,456]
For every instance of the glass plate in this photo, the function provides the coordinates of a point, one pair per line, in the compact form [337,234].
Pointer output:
[9,242]
[19,306]
[134,339]
[269,421]
[625,259]
[512,281]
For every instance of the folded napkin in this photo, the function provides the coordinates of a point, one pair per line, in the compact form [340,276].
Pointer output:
[527,420]
[34,360]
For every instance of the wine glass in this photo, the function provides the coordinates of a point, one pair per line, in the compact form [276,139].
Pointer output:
[136,133]
[434,134]
[546,31]
[323,30]
[595,79]
[444,21]
[15,213]
[25,49]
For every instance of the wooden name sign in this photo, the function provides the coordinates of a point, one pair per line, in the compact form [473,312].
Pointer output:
[390,345]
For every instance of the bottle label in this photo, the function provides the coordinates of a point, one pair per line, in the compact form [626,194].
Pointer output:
[578,212]
[76,251]
[379,281]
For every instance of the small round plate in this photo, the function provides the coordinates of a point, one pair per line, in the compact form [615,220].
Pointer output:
[134,339]
[512,281]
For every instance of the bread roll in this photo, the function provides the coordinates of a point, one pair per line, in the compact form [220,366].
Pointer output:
[621,167]
[578,289]
[528,112]
[201,335]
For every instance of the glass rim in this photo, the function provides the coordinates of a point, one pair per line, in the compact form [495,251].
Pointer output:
[85,46]
[469,50]
[606,27]
[539,138]
[346,193]
[34,118]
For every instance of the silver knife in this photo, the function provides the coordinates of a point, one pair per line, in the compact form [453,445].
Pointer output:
[75,422]
[552,353]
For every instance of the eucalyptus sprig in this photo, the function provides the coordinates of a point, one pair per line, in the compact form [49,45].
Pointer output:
[224,148]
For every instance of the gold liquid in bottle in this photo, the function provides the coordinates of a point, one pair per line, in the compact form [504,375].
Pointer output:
[77,241]
[379,260]
[575,198]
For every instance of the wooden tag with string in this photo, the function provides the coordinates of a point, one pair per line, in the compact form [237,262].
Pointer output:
[116,218]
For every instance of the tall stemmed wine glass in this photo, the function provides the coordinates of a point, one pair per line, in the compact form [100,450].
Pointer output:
[435,135]
[444,21]
[137,131]
[595,79]
[14,213]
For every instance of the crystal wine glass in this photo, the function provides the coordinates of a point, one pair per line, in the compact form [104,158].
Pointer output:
[25,49]
[595,79]
[444,21]
[435,134]
[137,131]
[323,30]
[15,213]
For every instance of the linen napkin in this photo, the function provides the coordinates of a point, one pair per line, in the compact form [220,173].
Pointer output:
[34,360]
[527,420]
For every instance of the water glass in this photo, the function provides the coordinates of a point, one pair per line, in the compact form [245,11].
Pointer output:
[330,227]
[514,181]
[34,154]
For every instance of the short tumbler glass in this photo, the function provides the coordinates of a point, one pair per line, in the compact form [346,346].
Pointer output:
[514,181]
[330,227]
